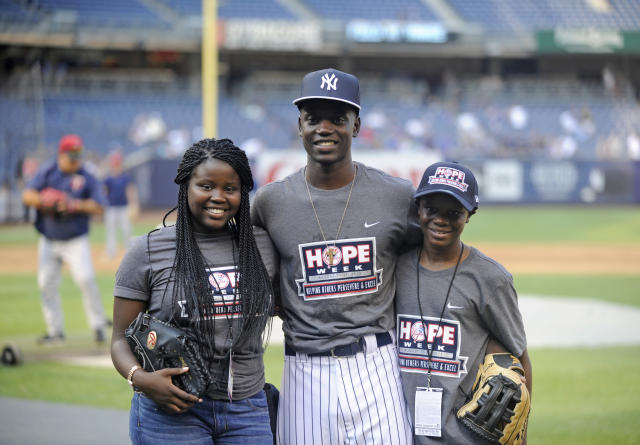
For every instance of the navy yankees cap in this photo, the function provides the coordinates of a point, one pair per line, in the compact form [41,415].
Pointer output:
[330,84]
[453,179]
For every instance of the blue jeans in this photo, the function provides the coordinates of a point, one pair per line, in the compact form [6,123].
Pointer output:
[216,422]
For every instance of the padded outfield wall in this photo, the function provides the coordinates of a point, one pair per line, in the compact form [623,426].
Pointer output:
[502,181]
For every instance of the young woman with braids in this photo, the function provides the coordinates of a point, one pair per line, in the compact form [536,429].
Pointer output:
[206,275]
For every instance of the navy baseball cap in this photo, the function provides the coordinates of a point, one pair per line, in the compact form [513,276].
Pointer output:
[453,179]
[330,84]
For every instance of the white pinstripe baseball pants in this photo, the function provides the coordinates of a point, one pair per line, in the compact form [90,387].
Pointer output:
[346,400]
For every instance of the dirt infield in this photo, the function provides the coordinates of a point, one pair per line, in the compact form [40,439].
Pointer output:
[543,259]
[563,259]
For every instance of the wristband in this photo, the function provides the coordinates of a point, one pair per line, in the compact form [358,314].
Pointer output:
[131,372]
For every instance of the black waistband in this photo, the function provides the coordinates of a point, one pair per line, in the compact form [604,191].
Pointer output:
[382,338]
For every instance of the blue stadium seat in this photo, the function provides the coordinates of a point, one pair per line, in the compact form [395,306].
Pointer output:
[114,13]
[228,9]
[412,10]
[260,107]
[508,17]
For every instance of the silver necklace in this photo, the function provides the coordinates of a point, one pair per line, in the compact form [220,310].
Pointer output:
[344,212]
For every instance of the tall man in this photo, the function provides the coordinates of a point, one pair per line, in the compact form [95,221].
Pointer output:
[339,227]
[65,194]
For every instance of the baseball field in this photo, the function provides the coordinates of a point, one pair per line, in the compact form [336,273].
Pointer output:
[582,395]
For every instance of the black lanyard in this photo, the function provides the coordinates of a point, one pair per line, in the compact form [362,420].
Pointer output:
[444,306]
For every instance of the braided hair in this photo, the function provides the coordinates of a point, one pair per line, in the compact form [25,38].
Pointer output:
[191,280]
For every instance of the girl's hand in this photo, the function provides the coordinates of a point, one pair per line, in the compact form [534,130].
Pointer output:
[159,388]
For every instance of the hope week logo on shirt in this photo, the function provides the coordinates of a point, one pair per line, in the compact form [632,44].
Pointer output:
[416,339]
[222,282]
[345,269]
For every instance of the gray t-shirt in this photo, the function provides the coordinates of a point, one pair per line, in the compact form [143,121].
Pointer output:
[482,303]
[334,294]
[144,275]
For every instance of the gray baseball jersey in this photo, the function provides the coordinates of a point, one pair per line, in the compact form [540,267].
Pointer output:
[144,275]
[337,291]
[482,304]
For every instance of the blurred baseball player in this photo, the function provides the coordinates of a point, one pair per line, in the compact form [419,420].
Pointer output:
[452,302]
[121,198]
[338,226]
[65,194]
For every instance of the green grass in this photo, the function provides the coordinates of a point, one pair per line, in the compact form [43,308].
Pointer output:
[21,319]
[64,383]
[95,386]
[509,224]
[580,396]
[26,234]
[614,289]
[22,313]
[585,396]
[584,224]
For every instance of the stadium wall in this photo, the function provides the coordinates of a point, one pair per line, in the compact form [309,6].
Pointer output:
[502,181]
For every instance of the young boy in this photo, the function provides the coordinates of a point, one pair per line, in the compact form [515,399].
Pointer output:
[464,299]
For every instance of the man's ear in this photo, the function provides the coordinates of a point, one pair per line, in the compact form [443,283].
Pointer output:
[469,216]
[299,126]
[356,127]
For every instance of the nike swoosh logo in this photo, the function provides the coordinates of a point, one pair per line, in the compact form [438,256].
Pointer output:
[450,306]
[366,226]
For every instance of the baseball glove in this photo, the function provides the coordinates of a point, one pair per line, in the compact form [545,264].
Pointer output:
[52,200]
[498,409]
[160,345]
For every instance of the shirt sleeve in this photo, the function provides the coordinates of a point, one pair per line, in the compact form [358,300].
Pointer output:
[267,251]
[256,209]
[38,182]
[501,315]
[413,234]
[132,277]
[95,189]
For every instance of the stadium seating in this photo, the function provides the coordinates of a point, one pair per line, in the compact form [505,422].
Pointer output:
[263,9]
[413,10]
[494,16]
[398,112]
[508,17]
[113,13]
[9,10]
[392,119]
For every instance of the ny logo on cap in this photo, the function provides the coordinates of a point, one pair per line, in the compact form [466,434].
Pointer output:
[331,82]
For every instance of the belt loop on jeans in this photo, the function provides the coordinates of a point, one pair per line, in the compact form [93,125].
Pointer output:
[382,339]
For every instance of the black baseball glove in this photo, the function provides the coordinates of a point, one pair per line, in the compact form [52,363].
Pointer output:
[160,345]
[499,406]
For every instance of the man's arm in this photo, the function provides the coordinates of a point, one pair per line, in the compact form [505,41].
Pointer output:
[88,206]
[31,198]
[528,371]
[494,347]
[34,198]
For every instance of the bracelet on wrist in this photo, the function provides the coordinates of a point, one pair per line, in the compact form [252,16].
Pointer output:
[133,369]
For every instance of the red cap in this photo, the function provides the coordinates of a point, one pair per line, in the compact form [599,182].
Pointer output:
[70,143]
